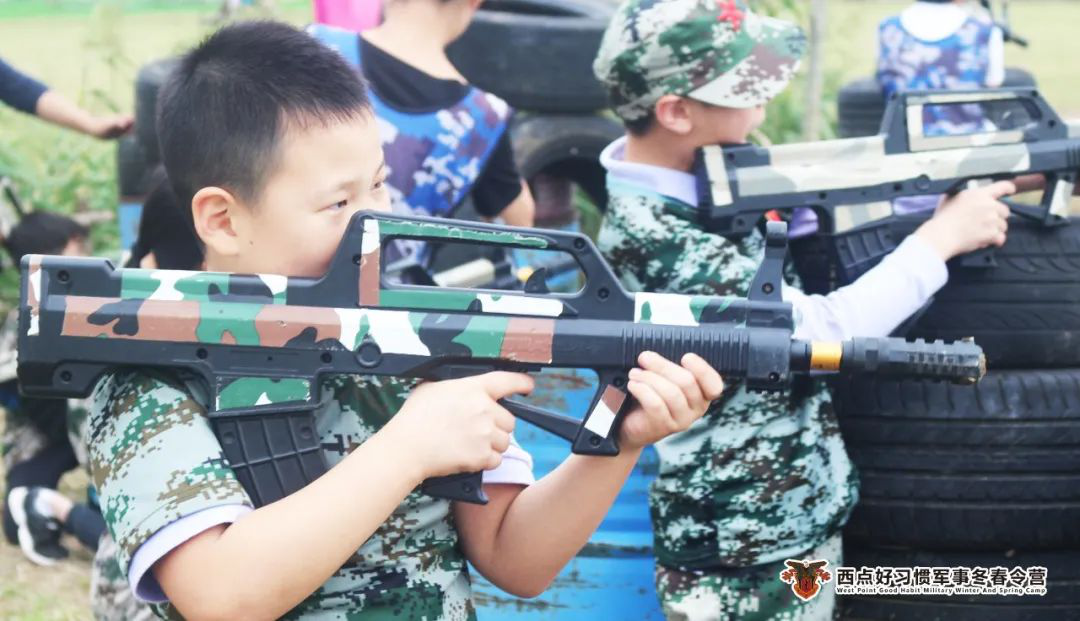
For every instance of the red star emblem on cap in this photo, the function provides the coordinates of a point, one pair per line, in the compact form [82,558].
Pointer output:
[729,12]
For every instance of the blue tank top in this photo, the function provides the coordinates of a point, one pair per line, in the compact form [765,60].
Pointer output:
[433,157]
[960,61]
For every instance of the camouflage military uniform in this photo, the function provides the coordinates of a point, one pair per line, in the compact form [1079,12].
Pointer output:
[745,593]
[155,460]
[760,478]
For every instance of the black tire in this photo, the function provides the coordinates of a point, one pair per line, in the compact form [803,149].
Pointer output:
[1061,602]
[132,171]
[147,84]
[536,54]
[860,107]
[813,263]
[984,467]
[565,146]
[1025,313]
[860,104]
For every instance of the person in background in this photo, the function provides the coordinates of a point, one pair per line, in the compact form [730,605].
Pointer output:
[36,446]
[27,95]
[761,478]
[445,140]
[941,45]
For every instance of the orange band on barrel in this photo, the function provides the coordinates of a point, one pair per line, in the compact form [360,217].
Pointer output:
[826,356]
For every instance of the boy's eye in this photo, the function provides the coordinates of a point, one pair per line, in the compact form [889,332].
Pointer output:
[379,184]
[340,204]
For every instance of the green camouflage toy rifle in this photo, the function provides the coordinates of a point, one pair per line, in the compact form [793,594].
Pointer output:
[260,344]
[849,183]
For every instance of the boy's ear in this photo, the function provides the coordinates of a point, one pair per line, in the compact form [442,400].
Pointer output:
[215,211]
[673,114]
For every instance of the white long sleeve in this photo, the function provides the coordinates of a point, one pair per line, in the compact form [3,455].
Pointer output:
[876,303]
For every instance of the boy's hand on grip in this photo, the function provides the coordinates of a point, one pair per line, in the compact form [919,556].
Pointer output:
[669,397]
[457,425]
[969,221]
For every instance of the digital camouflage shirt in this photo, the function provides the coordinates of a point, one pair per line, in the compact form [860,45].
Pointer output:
[761,477]
[155,460]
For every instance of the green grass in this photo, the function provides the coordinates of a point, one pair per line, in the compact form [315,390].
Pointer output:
[37,8]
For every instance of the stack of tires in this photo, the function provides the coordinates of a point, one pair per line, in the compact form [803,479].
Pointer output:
[985,475]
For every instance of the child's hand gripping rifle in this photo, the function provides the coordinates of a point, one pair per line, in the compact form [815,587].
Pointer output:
[740,184]
[260,344]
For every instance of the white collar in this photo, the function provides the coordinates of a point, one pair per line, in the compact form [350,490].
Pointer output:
[933,22]
[681,186]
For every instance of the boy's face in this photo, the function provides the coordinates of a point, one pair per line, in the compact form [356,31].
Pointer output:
[322,176]
[720,125]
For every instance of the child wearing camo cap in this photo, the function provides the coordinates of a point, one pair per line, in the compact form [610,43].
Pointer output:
[762,478]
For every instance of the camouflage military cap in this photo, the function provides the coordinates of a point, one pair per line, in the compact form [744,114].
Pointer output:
[716,51]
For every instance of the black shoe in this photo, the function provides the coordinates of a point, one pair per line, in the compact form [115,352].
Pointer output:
[39,534]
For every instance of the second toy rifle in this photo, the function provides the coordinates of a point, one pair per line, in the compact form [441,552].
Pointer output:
[738,185]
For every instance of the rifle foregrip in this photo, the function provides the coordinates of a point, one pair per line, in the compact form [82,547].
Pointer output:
[727,352]
[962,362]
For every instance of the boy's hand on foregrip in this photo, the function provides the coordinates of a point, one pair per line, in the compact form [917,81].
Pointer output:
[971,220]
[669,397]
[457,425]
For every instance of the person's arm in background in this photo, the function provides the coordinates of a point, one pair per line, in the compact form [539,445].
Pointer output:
[522,210]
[28,95]
[59,110]
[882,298]
[500,192]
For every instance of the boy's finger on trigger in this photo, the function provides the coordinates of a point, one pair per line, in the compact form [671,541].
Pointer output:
[708,379]
[1001,188]
[499,384]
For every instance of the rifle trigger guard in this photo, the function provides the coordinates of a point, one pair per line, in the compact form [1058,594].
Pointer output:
[562,426]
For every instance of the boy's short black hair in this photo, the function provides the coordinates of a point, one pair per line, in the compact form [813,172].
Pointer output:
[42,232]
[640,126]
[222,112]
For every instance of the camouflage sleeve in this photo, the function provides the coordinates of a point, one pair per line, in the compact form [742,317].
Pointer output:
[154,458]
[653,249]
[688,260]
